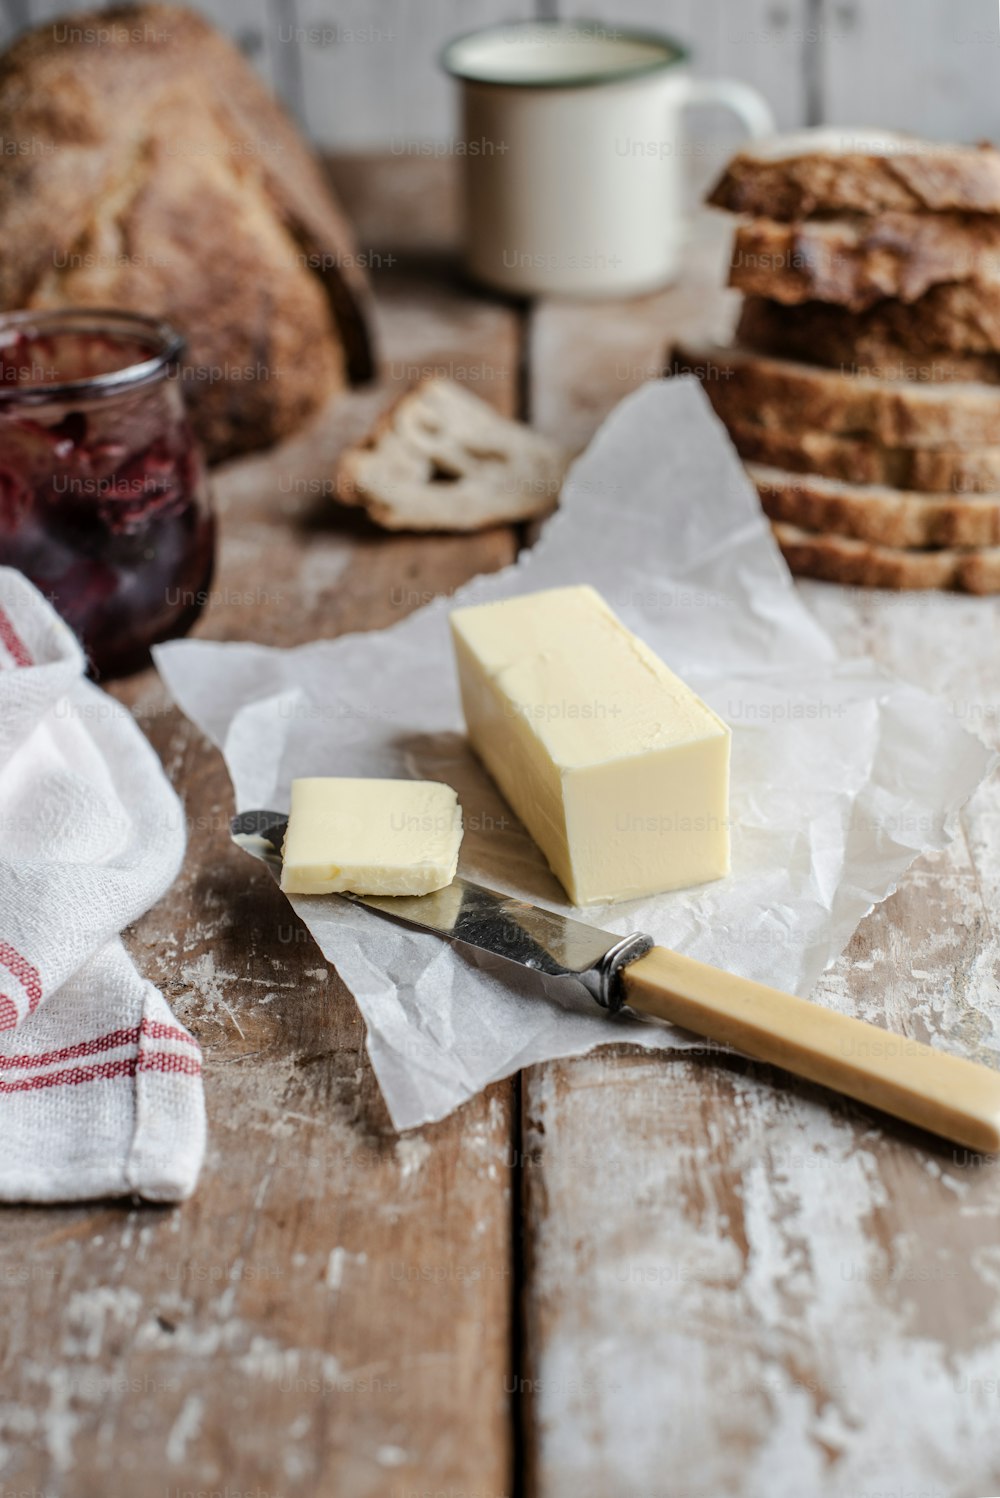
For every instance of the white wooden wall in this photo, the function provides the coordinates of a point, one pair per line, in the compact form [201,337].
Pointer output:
[363,74]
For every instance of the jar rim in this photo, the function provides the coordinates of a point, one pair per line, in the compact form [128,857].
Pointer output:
[166,348]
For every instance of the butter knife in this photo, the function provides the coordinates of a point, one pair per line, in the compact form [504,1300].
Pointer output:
[945,1094]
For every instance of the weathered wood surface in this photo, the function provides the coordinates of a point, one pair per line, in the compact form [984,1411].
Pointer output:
[331,1313]
[737,1285]
[923,67]
[727,1283]
[364,75]
[769,45]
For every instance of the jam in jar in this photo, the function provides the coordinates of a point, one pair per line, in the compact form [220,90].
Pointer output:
[104,502]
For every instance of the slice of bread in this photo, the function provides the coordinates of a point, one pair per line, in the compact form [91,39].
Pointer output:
[862,564]
[785,394]
[886,343]
[874,512]
[441,459]
[962,317]
[858,262]
[838,170]
[927,470]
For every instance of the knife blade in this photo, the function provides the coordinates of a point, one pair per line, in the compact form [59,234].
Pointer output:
[933,1089]
[543,940]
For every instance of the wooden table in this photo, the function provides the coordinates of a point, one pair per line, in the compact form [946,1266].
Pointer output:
[647,1276]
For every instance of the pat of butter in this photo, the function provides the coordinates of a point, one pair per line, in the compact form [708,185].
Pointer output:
[370,837]
[619,772]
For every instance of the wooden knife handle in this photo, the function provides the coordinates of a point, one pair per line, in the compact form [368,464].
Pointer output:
[950,1096]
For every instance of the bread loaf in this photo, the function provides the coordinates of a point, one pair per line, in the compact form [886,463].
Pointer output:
[158,175]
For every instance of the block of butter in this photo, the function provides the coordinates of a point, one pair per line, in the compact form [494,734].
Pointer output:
[371,837]
[619,772]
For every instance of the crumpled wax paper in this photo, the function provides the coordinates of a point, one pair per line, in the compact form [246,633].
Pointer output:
[840,774]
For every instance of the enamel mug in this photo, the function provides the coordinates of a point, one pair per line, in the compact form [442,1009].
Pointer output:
[573,154]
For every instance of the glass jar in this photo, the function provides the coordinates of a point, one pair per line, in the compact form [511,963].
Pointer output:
[104,501]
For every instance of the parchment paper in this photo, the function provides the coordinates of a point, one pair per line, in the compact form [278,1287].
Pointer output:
[840,774]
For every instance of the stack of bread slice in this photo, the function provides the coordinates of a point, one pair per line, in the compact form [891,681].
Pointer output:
[863,388]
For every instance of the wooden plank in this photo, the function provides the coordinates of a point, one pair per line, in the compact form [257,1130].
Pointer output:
[363,74]
[331,1311]
[356,74]
[370,72]
[20,15]
[756,41]
[733,1278]
[251,26]
[941,82]
[751,1291]
[15,17]
[427,216]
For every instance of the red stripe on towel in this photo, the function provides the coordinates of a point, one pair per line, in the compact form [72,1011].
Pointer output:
[106,1071]
[187,1066]
[28,976]
[159,1031]
[103,1071]
[12,642]
[109,1042]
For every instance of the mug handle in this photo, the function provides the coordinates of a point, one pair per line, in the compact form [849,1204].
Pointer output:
[749,106]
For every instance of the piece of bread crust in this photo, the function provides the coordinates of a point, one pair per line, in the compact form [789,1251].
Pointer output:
[786,394]
[842,170]
[862,564]
[874,512]
[441,459]
[886,342]
[860,261]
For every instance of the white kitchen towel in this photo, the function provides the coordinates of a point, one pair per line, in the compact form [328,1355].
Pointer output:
[100,1087]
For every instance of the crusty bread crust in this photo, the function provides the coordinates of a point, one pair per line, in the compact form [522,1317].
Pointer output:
[874,512]
[856,262]
[784,394]
[159,175]
[908,176]
[862,564]
[926,470]
[887,343]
